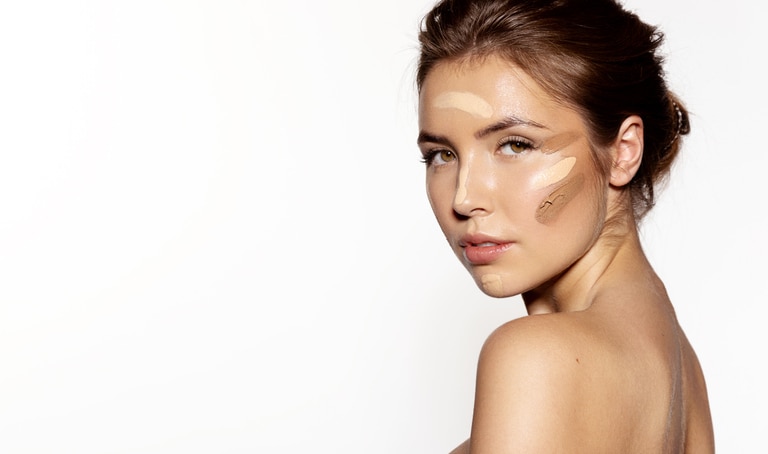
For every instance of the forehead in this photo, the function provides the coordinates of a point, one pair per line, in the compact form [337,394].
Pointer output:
[489,88]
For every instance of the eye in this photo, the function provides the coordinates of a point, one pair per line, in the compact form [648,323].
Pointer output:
[514,145]
[438,157]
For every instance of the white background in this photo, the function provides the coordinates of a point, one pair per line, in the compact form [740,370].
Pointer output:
[214,236]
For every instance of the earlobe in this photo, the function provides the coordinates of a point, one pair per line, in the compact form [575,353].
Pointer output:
[627,153]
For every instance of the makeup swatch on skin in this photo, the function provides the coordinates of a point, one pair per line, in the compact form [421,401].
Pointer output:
[559,142]
[464,101]
[554,174]
[492,284]
[553,205]
[461,190]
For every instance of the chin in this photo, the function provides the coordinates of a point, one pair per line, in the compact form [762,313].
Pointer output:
[493,285]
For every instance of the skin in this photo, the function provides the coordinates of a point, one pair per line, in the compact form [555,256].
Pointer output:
[467,102]
[559,199]
[601,363]
[554,174]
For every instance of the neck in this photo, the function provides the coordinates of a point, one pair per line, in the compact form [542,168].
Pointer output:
[615,257]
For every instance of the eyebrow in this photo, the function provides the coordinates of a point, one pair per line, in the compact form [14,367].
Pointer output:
[505,123]
[432,138]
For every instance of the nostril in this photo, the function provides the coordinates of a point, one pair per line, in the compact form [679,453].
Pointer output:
[459,216]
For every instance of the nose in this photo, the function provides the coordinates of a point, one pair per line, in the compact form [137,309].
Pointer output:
[474,187]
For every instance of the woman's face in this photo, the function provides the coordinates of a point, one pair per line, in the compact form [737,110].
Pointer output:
[509,175]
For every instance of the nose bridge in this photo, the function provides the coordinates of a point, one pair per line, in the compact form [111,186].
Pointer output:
[472,185]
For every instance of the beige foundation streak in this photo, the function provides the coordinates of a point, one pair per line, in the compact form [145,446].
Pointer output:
[467,102]
[551,207]
[461,190]
[553,174]
[492,284]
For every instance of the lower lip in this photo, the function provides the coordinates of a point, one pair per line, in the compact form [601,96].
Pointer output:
[483,255]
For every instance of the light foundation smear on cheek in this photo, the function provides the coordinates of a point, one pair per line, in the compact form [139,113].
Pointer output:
[553,174]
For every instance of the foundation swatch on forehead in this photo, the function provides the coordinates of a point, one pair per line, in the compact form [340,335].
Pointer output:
[467,102]
[560,141]
[492,283]
[554,203]
[553,174]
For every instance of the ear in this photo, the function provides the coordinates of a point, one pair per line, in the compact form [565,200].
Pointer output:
[627,151]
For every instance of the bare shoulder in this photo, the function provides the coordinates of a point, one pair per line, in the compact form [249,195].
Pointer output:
[531,385]
[573,380]
[699,433]
[530,349]
[546,342]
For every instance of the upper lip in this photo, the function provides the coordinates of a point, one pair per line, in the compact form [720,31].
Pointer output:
[477,239]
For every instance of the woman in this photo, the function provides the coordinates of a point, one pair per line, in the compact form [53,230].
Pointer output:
[545,126]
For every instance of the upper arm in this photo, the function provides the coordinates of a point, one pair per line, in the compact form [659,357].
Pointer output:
[462,448]
[525,396]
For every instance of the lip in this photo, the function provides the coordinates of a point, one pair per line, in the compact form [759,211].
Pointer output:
[482,249]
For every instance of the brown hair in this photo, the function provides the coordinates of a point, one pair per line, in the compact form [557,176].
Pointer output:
[592,55]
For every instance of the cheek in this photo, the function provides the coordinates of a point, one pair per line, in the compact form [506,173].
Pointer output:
[440,196]
[576,207]
[571,190]
[433,193]
[554,174]
[544,190]
[558,200]
[516,199]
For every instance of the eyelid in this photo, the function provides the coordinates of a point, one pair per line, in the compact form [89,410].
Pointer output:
[515,138]
[428,156]
[518,145]
[429,148]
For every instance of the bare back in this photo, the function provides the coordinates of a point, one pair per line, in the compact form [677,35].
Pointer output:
[644,390]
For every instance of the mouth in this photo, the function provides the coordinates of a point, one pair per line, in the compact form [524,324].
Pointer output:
[483,252]
[485,244]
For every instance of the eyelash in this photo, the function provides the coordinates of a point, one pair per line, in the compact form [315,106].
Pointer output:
[429,156]
[526,144]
